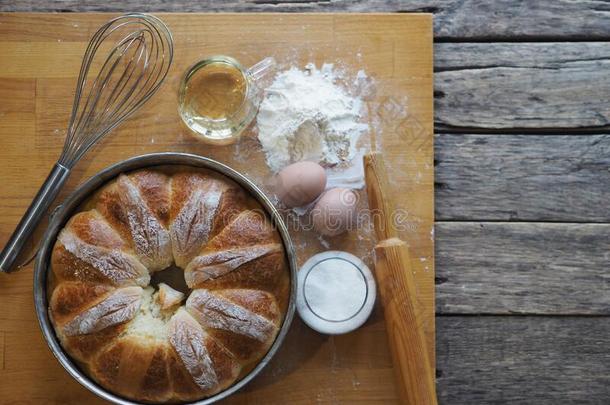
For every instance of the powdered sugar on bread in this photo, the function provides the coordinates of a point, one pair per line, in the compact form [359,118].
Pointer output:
[191,228]
[216,264]
[151,239]
[147,228]
[215,311]
[120,306]
[116,265]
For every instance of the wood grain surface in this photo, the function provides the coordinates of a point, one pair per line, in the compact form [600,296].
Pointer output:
[531,268]
[40,57]
[523,360]
[522,85]
[522,177]
[455,19]
[546,359]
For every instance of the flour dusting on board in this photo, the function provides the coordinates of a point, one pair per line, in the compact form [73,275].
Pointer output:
[307,115]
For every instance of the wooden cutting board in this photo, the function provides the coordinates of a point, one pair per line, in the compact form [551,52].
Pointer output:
[40,56]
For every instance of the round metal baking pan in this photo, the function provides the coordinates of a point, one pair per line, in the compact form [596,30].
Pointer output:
[64,212]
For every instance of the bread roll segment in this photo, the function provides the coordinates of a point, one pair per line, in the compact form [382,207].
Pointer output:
[244,321]
[149,345]
[135,215]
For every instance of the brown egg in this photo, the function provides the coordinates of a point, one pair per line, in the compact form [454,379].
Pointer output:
[300,183]
[334,211]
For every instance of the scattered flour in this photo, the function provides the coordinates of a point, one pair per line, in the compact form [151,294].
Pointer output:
[306,116]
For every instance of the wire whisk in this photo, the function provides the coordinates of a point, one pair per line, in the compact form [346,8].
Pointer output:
[124,64]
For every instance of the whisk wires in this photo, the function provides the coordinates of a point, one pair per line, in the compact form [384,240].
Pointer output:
[133,69]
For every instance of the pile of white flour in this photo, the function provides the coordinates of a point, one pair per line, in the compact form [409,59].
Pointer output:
[306,116]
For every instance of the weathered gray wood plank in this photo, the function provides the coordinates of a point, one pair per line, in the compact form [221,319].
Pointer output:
[472,19]
[531,268]
[522,177]
[550,55]
[522,85]
[523,360]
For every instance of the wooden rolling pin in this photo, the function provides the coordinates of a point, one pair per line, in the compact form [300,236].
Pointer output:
[396,283]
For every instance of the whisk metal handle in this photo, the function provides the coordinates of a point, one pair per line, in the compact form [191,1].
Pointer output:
[47,193]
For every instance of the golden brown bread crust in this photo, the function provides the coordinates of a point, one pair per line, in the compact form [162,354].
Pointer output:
[266,273]
[201,205]
[232,203]
[155,188]
[133,368]
[156,384]
[101,317]
[84,347]
[249,228]
[68,267]
[73,297]
[89,229]
[139,217]
[210,364]
[110,207]
[195,204]
[76,260]
[244,321]
[145,347]
[253,233]
[183,385]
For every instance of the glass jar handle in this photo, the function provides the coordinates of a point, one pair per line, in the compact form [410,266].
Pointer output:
[262,69]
